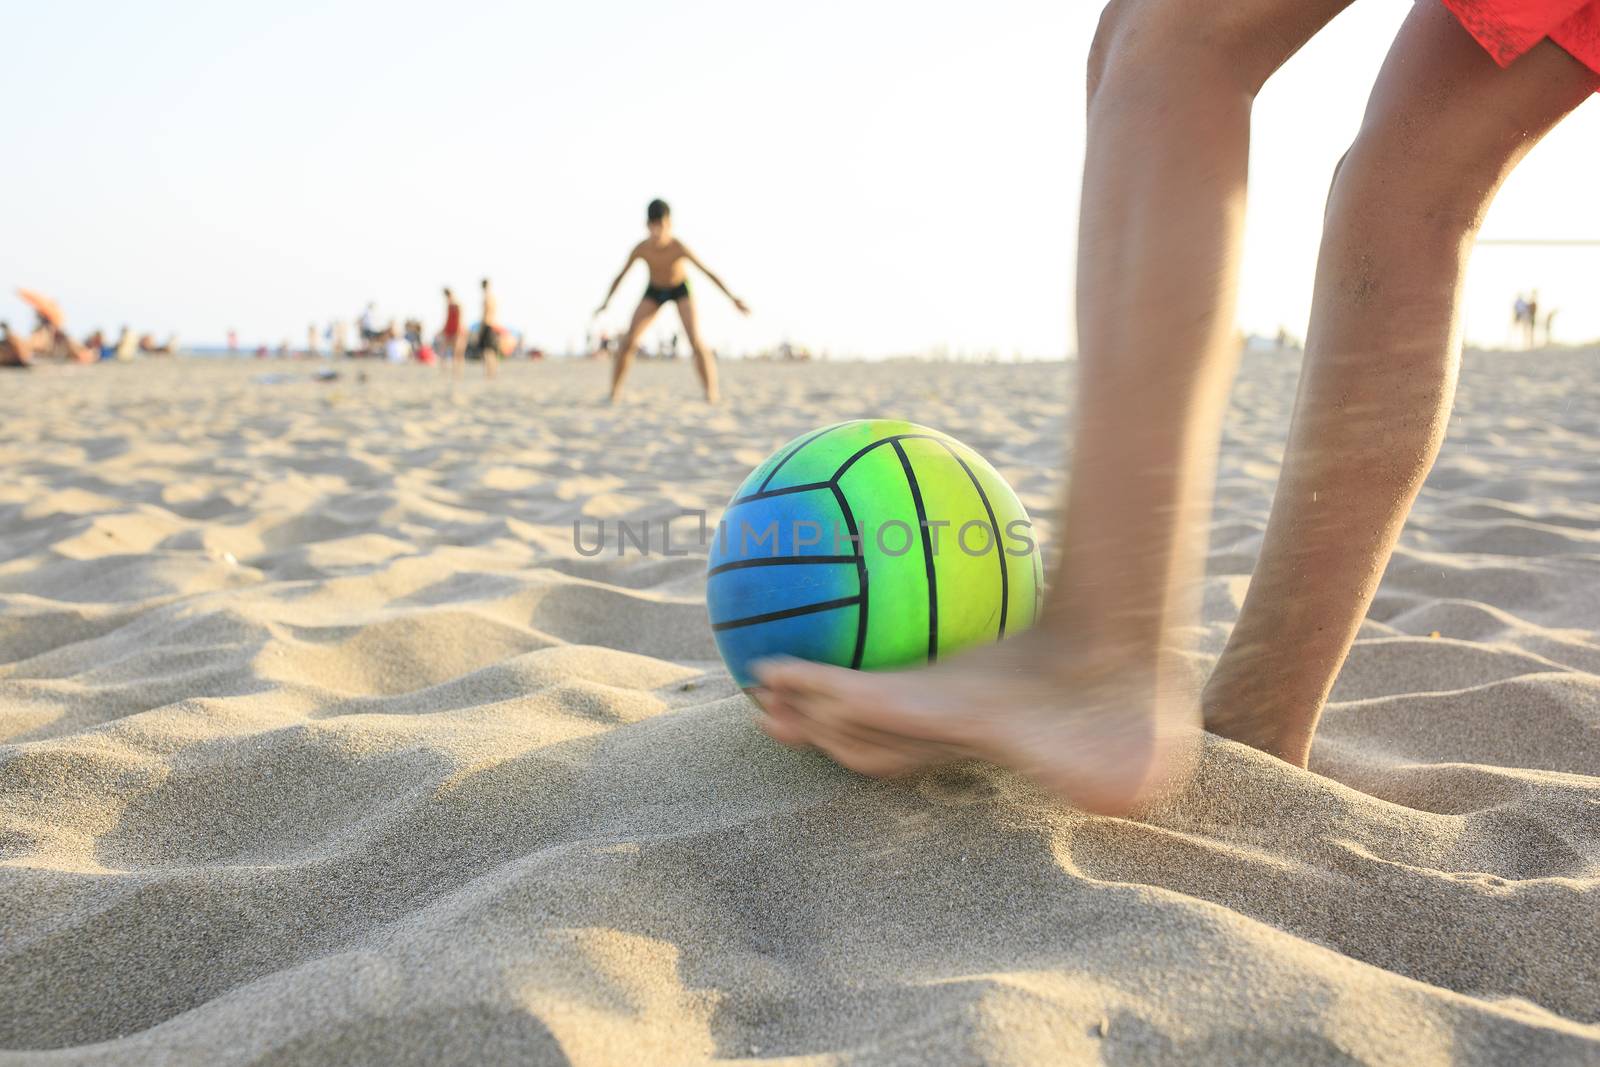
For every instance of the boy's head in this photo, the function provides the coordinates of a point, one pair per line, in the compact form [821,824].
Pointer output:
[486,285]
[658,216]
[448,295]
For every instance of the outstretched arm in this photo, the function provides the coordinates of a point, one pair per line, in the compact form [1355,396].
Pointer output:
[692,258]
[611,292]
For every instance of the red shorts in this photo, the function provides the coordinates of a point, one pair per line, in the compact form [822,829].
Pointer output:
[1508,28]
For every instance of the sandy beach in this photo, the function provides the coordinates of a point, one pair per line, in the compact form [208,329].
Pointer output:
[320,743]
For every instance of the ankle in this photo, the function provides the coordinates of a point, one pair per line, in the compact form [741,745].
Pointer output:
[1109,647]
[1264,725]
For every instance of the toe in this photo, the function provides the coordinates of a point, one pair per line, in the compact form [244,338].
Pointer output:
[870,760]
[793,678]
[872,754]
[781,722]
[785,732]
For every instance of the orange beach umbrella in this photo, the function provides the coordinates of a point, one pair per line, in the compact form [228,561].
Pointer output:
[48,309]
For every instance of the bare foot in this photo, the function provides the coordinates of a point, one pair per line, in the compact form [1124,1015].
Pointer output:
[1101,738]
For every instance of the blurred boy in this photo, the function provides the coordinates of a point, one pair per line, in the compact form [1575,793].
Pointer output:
[668,259]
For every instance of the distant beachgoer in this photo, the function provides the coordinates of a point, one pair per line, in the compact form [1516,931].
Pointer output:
[149,346]
[371,332]
[452,339]
[488,331]
[668,259]
[340,338]
[233,341]
[44,333]
[127,345]
[1095,701]
[311,341]
[1531,325]
[51,341]
[14,351]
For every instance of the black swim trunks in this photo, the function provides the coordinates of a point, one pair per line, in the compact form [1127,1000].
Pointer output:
[666,294]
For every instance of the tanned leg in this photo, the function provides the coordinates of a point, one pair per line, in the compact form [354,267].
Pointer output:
[1444,127]
[705,364]
[643,315]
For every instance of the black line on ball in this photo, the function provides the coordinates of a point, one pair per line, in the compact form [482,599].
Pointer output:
[994,525]
[861,575]
[767,494]
[787,613]
[773,473]
[927,551]
[1038,585]
[775,561]
[864,449]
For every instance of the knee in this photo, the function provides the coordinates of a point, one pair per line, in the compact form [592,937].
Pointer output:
[1333,183]
[1338,167]
[1100,48]
[1440,192]
[1187,46]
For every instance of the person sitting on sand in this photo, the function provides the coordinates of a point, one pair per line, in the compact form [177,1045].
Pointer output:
[43,338]
[127,344]
[1091,702]
[50,341]
[14,351]
[668,259]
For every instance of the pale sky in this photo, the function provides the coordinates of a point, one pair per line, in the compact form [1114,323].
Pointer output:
[874,177]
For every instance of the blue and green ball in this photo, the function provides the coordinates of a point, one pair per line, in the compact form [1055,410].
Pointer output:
[870,544]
